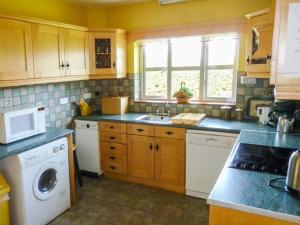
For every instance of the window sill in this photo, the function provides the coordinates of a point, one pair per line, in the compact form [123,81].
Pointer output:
[190,103]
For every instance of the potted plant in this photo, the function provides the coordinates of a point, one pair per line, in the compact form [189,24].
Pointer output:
[184,94]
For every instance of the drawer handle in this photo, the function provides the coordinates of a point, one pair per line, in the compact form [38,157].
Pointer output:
[112,157]
[151,146]
[112,138]
[211,139]
[140,130]
[111,127]
[112,148]
[112,167]
[169,133]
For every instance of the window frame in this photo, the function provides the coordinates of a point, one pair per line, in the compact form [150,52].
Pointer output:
[203,69]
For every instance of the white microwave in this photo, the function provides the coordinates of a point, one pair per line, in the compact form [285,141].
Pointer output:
[22,123]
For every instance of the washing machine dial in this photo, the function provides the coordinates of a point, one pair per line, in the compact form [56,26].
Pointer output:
[55,150]
[62,147]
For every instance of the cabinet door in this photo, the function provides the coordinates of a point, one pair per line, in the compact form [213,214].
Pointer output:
[140,156]
[103,53]
[285,65]
[16,61]
[169,160]
[48,47]
[76,52]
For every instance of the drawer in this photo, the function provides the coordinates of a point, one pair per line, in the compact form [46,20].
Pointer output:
[211,140]
[114,158]
[170,132]
[113,127]
[140,129]
[113,148]
[114,167]
[113,137]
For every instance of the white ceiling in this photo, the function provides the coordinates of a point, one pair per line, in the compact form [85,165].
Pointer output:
[105,2]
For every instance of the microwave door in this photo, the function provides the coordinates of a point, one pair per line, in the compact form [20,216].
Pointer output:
[21,124]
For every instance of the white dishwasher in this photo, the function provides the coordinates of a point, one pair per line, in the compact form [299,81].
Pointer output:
[87,139]
[206,154]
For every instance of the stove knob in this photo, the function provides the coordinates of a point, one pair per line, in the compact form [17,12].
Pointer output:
[245,165]
[264,169]
[254,167]
[62,147]
[55,150]
[237,165]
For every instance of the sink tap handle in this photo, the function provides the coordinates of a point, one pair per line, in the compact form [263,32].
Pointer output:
[157,111]
[169,113]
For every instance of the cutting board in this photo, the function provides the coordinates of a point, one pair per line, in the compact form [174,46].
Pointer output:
[188,118]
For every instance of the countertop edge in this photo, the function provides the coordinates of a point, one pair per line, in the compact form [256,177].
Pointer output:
[256,211]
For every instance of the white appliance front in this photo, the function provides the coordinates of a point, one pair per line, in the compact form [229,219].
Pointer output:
[87,140]
[39,179]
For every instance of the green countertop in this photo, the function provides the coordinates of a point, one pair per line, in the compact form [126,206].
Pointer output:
[249,191]
[209,123]
[17,147]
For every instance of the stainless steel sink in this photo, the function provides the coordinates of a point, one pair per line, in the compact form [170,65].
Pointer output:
[154,118]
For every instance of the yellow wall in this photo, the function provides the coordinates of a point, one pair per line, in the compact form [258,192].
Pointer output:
[57,10]
[150,14]
[96,17]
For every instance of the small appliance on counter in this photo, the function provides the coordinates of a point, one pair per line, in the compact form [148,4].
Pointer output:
[285,124]
[281,108]
[293,174]
[22,123]
[263,114]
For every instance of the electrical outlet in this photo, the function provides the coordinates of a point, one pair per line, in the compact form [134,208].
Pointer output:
[63,101]
[87,95]
[8,102]
[248,80]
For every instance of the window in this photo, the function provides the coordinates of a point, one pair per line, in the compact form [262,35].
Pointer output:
[207,65]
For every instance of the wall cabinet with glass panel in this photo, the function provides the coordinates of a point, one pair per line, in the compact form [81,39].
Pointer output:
[259,42]
[107,53]
[206,64]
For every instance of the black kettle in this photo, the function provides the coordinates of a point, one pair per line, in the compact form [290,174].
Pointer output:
[293,175]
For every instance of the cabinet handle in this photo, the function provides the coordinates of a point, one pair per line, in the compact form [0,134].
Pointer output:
[268,57]
[112,138]
[112,167]
[111,127]
[248,60]
[211,139]
[112,157]
[169,133]
[114,65]
[151,146]
[156,147]
[112,148]
[67,65]
[62,65]
[140,130]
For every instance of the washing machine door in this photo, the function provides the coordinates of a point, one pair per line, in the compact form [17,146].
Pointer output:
[46,181]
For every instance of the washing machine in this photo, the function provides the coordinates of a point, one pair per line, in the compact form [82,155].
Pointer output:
[39,181]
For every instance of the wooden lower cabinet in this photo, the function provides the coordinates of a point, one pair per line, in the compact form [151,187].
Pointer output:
[224,216]
[140,156]
[170,161]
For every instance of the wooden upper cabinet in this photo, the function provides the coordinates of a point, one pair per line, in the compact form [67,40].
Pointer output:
[259,42]
[140,150]
[48,48]
[170,161]
[76,52]
[16,61]
[286,50]
[107,54]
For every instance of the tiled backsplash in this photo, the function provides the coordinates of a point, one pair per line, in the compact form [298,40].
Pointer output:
[58,115]
[48,95]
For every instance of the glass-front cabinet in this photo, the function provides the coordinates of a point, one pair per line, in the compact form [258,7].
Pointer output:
[259,42]
[107,54]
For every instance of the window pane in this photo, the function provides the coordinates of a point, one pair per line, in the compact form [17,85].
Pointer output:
[219,83]
[186,51]
[156,83]
[191,79]
[221,51]
[156,54]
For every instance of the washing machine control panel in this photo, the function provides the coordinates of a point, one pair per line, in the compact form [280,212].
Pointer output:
[40,155]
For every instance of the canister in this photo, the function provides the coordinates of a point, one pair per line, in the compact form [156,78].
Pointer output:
[226,112]
[239,114]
